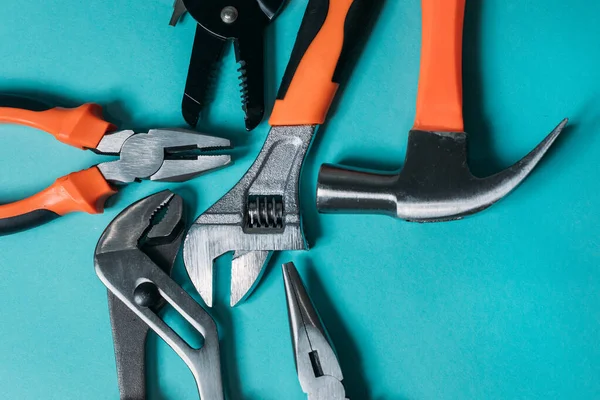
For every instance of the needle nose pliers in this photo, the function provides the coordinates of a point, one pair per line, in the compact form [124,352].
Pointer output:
[319,370]
[159,154]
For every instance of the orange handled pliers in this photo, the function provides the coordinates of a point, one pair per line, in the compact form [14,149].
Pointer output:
[160,155]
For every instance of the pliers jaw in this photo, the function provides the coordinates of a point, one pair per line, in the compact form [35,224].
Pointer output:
[319,372]
[161,154]
[168,155]
[192,154]
[137,227]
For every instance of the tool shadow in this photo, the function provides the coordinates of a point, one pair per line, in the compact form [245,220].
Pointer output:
[481,144]
[347,349]
[482,157]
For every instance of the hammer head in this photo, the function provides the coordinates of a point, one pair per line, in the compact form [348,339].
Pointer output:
[434,185]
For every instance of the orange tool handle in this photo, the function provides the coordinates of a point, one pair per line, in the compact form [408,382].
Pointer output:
[439,99]
[81,127]
[330,31]
[84,191]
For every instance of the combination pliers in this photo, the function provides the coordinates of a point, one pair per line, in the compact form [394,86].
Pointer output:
[160,155]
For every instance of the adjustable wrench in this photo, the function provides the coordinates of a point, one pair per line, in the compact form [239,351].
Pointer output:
[261,214]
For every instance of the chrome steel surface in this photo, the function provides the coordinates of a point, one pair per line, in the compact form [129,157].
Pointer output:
[134,258]
[178,11]
[261,214]
[434,185]
[319,371]
[160,155]
[229,14]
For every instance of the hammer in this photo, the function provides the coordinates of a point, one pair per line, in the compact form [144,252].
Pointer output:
[435,183]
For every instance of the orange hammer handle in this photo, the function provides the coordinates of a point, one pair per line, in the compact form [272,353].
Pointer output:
[439,98]
[84,191]
[330,30]
[81,127]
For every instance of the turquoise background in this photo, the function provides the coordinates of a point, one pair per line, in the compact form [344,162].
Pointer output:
[501,305]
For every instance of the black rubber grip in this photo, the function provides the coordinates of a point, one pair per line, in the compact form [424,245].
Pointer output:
[359,23]
[358,19]
[26,221]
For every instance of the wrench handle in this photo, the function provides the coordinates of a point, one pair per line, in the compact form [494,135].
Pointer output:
[439,98]
[330,32]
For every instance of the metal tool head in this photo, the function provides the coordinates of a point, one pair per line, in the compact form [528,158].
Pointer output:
[134,258]
[219,21]
[259,215]
[229,19]
[153,222]
[169,155]
[319,371]
[434,185]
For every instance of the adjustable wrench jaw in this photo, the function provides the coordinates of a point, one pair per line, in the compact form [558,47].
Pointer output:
[261,214]
[205,242]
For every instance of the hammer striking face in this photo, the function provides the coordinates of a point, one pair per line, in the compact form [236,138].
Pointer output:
[435,183]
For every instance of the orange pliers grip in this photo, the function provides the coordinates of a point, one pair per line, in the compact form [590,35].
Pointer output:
[328,35]
[81,127]
[85,191]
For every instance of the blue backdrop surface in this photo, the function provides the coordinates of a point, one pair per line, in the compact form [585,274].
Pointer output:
[501,305]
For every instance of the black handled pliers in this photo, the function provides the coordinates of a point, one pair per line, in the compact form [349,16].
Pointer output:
[241,21]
